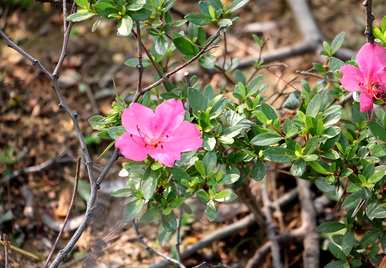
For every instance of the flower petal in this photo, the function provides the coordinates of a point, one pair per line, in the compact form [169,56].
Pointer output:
[132,147]
[168,116]
[371,58]
[137,119]
[187,137]
[165,157]
[365,103]
[351,77]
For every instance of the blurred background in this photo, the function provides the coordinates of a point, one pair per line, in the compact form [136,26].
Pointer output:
[38,149]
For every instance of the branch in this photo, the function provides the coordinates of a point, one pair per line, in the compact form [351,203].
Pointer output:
[228,230]
[182,66]
[275,248]
[368,4]
[37,168]
[139,65]
[143,242]
[94,183]
[308,215]
[178,238]
[68,213]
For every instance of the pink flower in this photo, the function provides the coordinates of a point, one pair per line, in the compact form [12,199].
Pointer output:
[370,78]
[162,134]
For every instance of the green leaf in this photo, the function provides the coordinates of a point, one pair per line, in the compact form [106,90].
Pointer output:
[258,171]
[348,241]
[225,23]
[198,19]
[298,168]
[84,190]
[337,43]
[314,106]
[226,195]
[203,196]
[125,26]
[293,101]
[330,227]
[196,100]
[210,162]
[124,192]
[136,5]
[278,155]
[375,210]
[97,122]
[237,4]
[115,132]
[169,222]
[378,131]
[7,216]
[133,209]
[265,139]
[379,173]
[83,4]
[336,251]
[240,91]
[149,184]
[133,62]
[185,46]
[211,211]
[200,167]
[80,15]
[230,178]
[317,166]
[209,143]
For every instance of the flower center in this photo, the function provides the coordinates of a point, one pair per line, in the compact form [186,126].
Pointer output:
[376,90]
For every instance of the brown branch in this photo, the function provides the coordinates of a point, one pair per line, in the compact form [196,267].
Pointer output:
[182,66]
[270,225]
[139,65]
[94,182]
[368,4]
[141,239]
[308,215]
[67,215]
[38,168]
[178,236]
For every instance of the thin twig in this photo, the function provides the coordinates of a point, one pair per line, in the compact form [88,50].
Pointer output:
[270,225]
[141,239]
[19,250]
[225,50]
[85,153]
[308,215]
[37,168]
[5,238]
[368,4]
[178,238]
[77,172]
[140,65]
[182,66]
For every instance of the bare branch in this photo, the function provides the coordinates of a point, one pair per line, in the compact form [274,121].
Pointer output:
[178,238]
[149,248]
[308,215]
[270,225]
[68,213]
[182,66]
[368,4]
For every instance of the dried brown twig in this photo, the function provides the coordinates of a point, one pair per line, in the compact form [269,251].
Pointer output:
[77,172]
[368,4]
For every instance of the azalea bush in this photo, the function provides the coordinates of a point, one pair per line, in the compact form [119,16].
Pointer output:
[185,139]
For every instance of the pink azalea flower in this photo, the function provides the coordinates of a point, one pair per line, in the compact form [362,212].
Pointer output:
[162,134]
[370,78]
